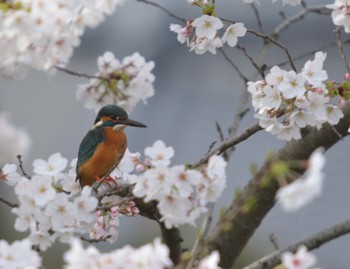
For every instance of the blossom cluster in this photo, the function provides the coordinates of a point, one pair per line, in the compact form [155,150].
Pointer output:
[182,193]
[13,140]
[48,212]
[123,83]
[151,256]
[206,36]
[341,13]
[302,259]
[52,205]
[19,255]
[287,101]
[306,188]
[42,34]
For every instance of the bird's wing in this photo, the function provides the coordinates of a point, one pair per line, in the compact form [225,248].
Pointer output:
[89,144]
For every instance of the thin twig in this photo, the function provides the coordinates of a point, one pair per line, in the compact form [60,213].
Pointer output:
[203,231]
[297,17]
[258,17]
[3,200]
[221,134]
[233,65]
[228,143]
[170,14]
[77,74]
[341,48]
[20,164]
[95,240]
[311,52]
[272,40]
[250,58]
[273,240]
[313,242]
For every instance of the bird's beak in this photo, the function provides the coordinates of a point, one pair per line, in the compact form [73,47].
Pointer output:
[132,123]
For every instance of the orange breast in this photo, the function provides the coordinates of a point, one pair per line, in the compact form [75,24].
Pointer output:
[107,154]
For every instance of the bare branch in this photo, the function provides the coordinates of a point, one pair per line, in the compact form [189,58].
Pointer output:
[228,143]
[250,58]
[258,17]
[95,240]
[163,9]
[287,22]
[311,52]
[313,242]
[77,74]
[245,79]
[3,200]
[272,40]
[20,164]
[341,48]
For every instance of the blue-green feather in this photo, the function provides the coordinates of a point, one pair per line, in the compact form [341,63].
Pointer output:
[91,140]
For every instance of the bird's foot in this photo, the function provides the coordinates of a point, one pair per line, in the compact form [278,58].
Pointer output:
[108,180]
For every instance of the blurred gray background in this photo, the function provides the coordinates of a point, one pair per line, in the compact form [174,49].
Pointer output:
[192,93]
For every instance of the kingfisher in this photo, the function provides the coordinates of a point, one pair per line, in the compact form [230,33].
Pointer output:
[104,145]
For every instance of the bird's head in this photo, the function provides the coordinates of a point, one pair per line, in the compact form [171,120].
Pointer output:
[115,117]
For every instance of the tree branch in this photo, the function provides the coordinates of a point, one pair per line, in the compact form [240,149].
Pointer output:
[170,14]
[341,49]
[247,210]
[313,242]
[228,143]
[3,200]
[20,164]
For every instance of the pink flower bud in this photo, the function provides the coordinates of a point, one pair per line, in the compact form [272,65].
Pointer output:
[140,168]
[347,76]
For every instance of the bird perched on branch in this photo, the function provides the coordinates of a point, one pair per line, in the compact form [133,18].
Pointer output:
[104,145]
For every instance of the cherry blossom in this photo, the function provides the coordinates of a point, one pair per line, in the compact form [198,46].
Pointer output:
[232,33]
[41,190]
[302,259]
[306,188]
[55,164]
[9,174]
[207,26]
[210,262]
[150,256]
[183,33]
[159,153]
[341,13]
[19,255]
